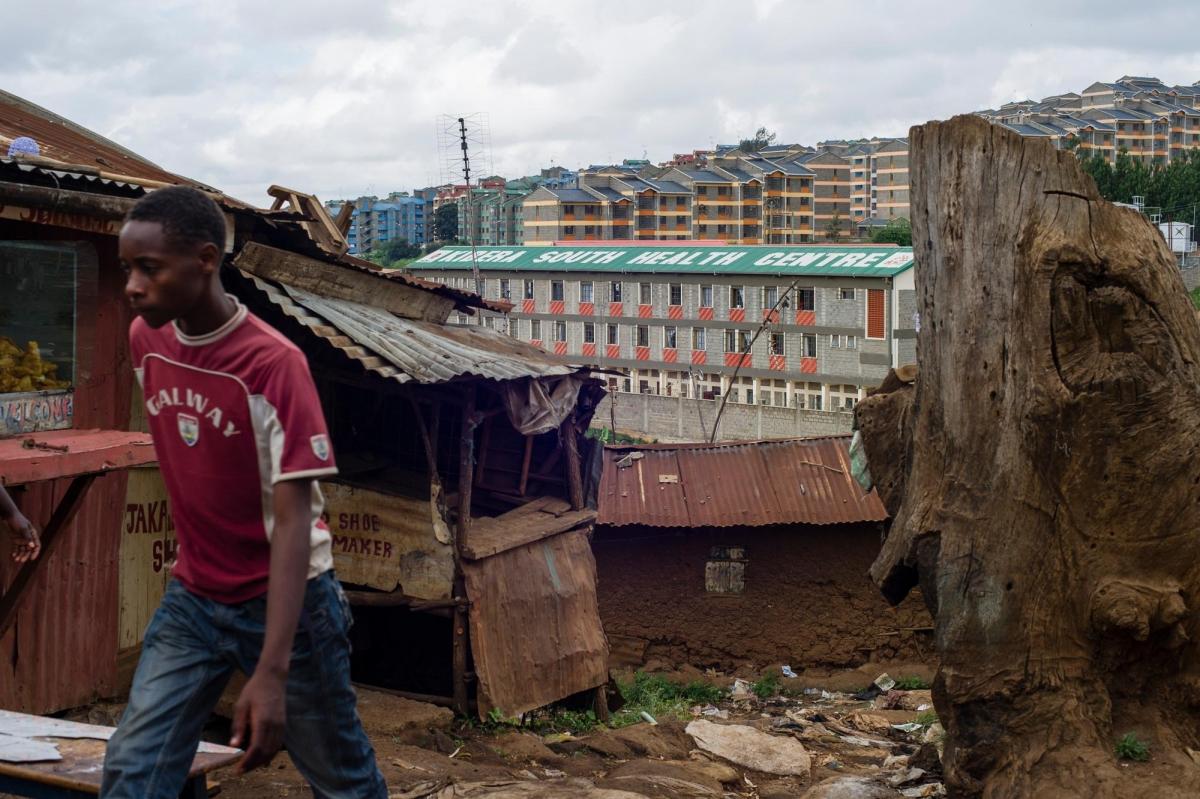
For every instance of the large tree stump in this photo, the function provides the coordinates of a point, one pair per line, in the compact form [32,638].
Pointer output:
[1051,506]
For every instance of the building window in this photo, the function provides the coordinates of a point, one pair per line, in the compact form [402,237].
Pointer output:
[737,341]
[587,291]
[814,402]
[725,570]
[616,290]
[589,332]
[643,336]
[698,339]
[568,230]
[614,334]
[670,337]
[504,290]
[535,330]
[560,331]
[529,289]
[835,341]
[777,344]
[851,342]
[706,297]
[644,293]
[556,290]
[770,296]
[676,291]
[845,294]
[737,297]
[806,299]
[808,346]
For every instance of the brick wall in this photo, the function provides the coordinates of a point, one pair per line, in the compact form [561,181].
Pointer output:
[678,419]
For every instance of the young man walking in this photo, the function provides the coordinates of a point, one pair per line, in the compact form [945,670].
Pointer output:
[240,437]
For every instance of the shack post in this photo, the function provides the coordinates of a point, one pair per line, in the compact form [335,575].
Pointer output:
[466,472]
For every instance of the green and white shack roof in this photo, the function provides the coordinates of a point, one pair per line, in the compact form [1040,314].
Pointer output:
[816,261]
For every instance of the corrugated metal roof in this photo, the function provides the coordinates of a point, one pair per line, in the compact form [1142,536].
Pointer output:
[862,260]
[63,140]
[408,350]
[735,484]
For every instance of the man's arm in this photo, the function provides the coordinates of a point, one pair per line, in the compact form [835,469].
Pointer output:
[258,718]
[26,544]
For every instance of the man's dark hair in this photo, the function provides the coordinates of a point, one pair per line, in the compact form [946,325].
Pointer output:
[188,216]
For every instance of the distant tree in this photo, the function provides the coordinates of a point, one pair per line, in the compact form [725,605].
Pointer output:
[445,222]
[898,231]
[397,250]
[833,230]
[761,138]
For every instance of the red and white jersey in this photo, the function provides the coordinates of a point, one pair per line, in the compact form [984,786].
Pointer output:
[232,413]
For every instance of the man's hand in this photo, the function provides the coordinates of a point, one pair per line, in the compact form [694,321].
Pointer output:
[26,544]
[258,719]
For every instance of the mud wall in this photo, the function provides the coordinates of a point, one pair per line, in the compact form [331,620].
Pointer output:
[807,600]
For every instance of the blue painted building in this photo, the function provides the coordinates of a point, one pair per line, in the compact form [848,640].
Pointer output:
[375,222]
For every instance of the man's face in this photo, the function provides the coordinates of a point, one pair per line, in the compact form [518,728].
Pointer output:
[164,280]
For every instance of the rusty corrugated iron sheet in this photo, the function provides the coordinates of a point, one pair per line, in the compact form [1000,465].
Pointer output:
[407,350]
[64,453]
[62,650]
[535,624]
[66,141]
[726,484]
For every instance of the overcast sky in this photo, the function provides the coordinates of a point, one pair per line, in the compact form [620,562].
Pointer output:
[340,98]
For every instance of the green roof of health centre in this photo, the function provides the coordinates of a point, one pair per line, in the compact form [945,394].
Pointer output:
[816,261]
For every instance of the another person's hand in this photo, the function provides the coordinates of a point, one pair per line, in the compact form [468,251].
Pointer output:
[258,719]
[26,543]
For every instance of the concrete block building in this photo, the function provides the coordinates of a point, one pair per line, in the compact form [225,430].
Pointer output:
[802,327]
[1151,121]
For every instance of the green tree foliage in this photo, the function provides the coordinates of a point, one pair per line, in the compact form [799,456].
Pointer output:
[1174,188]
[833,230]
[898,231]
[393,251]
[445,222]
[761,138]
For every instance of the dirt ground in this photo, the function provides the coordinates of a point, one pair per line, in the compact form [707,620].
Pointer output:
[423,752]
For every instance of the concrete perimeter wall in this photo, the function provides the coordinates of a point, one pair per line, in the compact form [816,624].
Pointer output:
[676,419]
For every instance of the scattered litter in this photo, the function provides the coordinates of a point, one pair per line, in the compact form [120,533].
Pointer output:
[895,760]
[555,774]
[884,683]
[934,734]
[741,690]
[826,696]
[923,708]
[557,738]
[906,777]
[455,752]
[629,459]
[787,672]
[402,763]
[646,717]
[714,711]
[812,691]
[932,789]
[911,726]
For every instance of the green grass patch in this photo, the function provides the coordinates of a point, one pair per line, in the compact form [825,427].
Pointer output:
[927,719]
[661,698]
[766,687]
[1130,747]
[911,683]
[1195,295]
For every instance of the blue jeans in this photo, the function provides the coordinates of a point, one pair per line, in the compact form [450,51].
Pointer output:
[190,650]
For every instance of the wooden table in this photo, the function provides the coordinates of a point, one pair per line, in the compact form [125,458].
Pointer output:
[78,773]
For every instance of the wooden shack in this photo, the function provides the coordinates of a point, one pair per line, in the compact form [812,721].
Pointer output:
[460,498]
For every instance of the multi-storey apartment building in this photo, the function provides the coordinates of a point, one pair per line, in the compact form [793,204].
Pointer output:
[375,222]
[810,327]
[1142,116]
